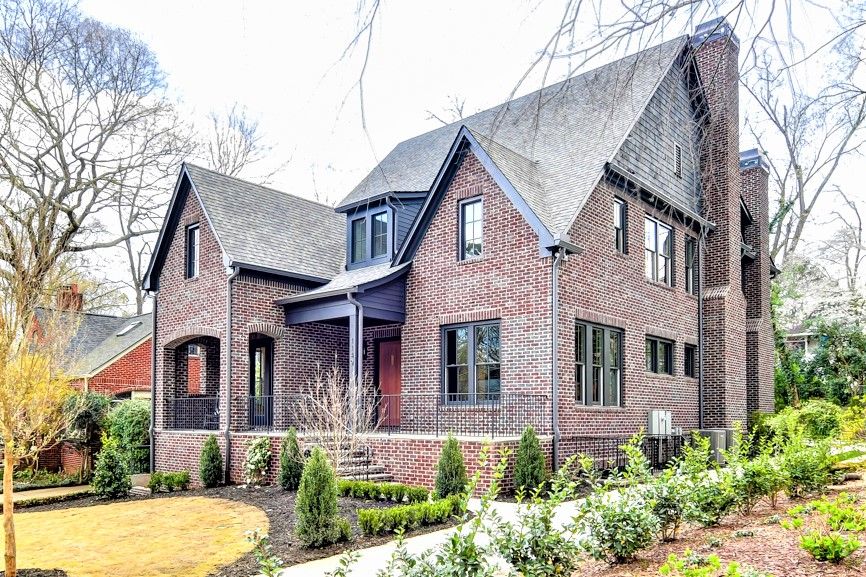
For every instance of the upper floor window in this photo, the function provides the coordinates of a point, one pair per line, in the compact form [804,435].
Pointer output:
[659,356]
[471,229]
[690,266]
[380,235]
[619,221]
[658,242]
[689,358]
[369,237]
[597,365]
[192,251]
[359,239]
[471,363]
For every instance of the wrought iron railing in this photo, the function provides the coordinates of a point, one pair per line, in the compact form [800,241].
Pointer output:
[437,414]
[607,452]
[193,413]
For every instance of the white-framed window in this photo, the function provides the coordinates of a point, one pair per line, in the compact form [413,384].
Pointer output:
[471,228]
[619,224]
[658,249]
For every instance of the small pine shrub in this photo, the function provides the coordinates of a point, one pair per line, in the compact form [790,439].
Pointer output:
[529,467]
[316,504]
[111,478]
[451,471]
[291,462]
[833,547]
[211,463]
[258,459]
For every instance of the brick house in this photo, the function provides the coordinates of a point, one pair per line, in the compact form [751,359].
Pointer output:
[590,259]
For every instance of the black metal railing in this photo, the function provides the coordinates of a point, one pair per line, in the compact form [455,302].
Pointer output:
[193,413]
[607,452]
[437,414]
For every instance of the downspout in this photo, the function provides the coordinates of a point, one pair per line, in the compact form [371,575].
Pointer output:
[153,384]
[232,275]
[701,327]
[359,341]
[554,349]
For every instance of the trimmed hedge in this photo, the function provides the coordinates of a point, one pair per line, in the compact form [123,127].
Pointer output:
[169,481]
[394,492]
[408,517]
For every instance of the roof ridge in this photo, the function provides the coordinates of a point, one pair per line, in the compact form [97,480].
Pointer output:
[264,186]
[88,313]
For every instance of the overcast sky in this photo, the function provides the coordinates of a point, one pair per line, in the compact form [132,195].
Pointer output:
[282,61]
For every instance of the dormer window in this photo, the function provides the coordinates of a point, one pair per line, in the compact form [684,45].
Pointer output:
[369,237]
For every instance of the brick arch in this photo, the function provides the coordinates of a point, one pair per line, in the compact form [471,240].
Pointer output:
[179,336]
[276,332]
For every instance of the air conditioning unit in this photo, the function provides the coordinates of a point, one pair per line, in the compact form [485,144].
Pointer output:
[718,442]
[659,422]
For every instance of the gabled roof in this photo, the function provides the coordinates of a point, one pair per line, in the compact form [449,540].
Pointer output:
[351,281]
[552,144]
[258,227]
[95,341]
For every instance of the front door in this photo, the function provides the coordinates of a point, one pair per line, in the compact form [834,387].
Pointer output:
[389,383]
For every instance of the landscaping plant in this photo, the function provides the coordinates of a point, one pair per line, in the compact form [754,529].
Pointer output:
[529,468]
[711,497]
[807,466]
[258,459]
[169,481]
[317,523]
[394,492]
[87,413]
[210,463]
[833,547]
[451,471]
[669,493]
[269,564]
[693,565]
[291,462]
[408,517]
[111,477]
[129,423]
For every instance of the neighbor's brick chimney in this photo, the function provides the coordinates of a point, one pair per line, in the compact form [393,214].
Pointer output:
[755,174]
[716,51]
[69,298]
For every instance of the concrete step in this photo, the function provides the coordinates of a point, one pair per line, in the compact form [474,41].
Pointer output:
[140,491]
[374,477]
[355,471]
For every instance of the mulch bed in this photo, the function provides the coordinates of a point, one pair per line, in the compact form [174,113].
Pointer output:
[279,506]
[770,547]
[39,573]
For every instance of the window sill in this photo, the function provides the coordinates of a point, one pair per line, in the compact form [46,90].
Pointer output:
[599,408]
[661,375]
[659,284]
[191,278]
[473,260]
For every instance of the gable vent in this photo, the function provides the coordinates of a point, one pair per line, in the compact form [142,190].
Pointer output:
[678,161]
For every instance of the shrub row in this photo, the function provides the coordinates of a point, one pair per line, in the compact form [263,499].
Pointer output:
[407,517]
[169,481]
[394,492]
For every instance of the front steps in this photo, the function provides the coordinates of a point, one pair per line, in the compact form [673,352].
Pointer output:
[360,466]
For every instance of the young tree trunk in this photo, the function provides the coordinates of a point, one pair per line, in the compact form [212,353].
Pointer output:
[8,521]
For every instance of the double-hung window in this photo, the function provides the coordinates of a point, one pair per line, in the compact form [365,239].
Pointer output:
[380,235]
[619,222]
[192,251]
[368,238]
[690,269]
[471,355]
[597,365]
[658,242]
[359,239]
[471,229]
[659,356]
[689,360]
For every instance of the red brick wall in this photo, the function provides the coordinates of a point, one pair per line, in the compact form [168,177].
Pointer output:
[131,372]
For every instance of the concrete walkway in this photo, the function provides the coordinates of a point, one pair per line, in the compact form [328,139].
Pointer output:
[19,496]
[373,559]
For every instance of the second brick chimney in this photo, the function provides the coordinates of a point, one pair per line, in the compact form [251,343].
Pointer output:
[69,298]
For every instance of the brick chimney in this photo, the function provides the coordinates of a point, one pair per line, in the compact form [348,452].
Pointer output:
[755,174]
[69,298]
[716,50]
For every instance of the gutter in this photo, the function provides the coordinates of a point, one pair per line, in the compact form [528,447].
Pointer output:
[232,275]
[153,386]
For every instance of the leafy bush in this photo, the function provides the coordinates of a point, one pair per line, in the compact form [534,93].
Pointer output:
[111,477]
[316,504]
[269,564]
[854,420]
[407,517]
[129,423]
[451,472]
[755,478]
[807,467]
[169,481]
[291,462]
[529,467]
[816,419]
[668,494]
[394,492]
[711,497]
[258,459]
[211,463]
[693,565]
[616,524]
[833,547]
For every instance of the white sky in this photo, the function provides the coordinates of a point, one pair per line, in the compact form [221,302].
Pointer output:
[281,60]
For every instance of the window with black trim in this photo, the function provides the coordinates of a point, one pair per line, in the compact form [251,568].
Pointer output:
[471,229]
[192,251]
[678,161]
[659,356]
[689,360]
[619,224]
[597,365]
[658,241]
[471,363]
[690,269]
[359,239]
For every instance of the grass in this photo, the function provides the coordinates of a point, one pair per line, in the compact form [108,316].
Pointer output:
[177,536]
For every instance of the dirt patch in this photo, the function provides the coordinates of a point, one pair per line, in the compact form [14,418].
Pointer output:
[756,540]
[39,573]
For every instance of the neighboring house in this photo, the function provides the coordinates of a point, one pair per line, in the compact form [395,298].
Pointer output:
[105,354]
[590,259]
[803,339]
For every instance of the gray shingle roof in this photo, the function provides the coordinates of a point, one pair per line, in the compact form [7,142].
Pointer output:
[552,144]
[347,280]
[263,227]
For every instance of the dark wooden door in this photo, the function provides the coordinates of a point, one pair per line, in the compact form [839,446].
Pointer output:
[389,383]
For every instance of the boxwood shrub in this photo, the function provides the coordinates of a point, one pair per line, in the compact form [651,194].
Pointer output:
[394,492]
[408,517]
[169,481]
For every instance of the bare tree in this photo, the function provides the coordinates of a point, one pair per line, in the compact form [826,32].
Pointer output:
[235,142]
[451,113]
[81,108]
[846,249]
